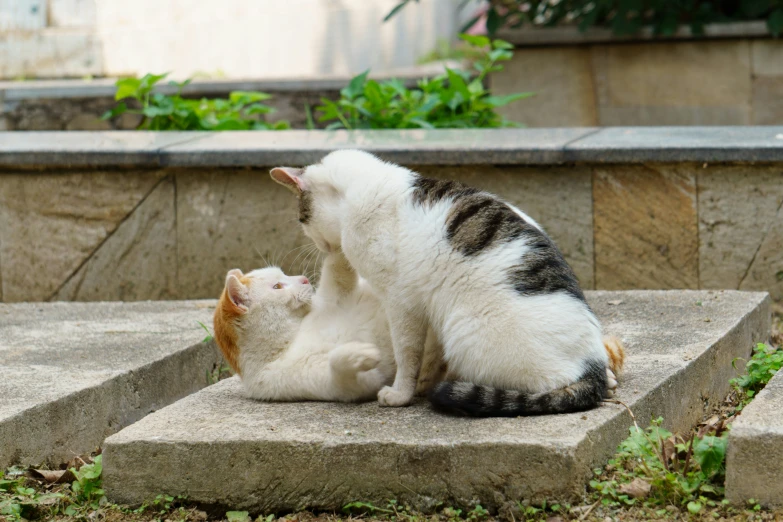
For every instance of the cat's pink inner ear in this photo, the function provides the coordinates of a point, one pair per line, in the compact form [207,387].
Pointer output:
[237,292]
[290,178]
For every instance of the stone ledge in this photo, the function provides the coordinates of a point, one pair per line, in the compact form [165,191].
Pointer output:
[72,373]
[279,457]
[570,35]
[104,87]
[412,147]
[753,459]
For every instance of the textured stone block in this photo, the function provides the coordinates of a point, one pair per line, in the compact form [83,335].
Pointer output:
[768,100]
[646,233]
[648,84]
[138,261]
[562,79]
[753,458]
[558,198]
[767,56]
[235,219]
[51,223]
[741,228]
[50,53]
[280,457]
[72,374]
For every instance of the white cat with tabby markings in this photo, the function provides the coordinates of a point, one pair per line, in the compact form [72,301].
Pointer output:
[289,342]
[505,305]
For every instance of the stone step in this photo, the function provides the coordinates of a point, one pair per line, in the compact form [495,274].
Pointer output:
[73,373]
[755,453]
[220,448]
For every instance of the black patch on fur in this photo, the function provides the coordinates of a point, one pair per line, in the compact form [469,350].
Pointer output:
[543,270]
[478,220]
[305,207]
[430,191]
[483,401]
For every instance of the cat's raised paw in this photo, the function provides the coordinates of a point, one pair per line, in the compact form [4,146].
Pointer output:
[390,397]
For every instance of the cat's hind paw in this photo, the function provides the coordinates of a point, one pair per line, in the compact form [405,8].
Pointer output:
[355,358]
[388,396]
[611,383]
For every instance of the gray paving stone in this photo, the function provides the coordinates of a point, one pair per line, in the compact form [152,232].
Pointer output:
[755,451]
[88,148]
[419,147]
[664,144]
[409,147]
[73,373]
[217,447]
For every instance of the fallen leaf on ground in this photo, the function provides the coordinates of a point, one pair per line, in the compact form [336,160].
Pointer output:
[615,302]
[636,489]
[56,476]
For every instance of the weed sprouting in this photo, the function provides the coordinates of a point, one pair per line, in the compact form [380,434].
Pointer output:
[763,364]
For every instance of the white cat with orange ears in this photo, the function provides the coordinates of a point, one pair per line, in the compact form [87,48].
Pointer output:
[290,342]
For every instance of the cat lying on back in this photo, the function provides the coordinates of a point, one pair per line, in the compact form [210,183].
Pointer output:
[290,342]
[507,308]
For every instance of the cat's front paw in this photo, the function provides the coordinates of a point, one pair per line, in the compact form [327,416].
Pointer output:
[388,396]
[611,383]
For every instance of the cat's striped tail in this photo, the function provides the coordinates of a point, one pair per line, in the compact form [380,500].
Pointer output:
[595,384]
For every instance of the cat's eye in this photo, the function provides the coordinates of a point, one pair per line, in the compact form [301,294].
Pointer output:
[278,286]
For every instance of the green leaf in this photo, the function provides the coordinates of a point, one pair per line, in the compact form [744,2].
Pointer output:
[710,452]
[775,22]
[494,21]
[245,97]
[396,10]
[356,86]
[238,516]
[499,101]
[148,81]
[502,44]
[127,88]
[457,83]
[476,40]
[121,108]
[694,507]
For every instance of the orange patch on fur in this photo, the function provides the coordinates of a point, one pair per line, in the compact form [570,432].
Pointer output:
[226,315]
[616,352]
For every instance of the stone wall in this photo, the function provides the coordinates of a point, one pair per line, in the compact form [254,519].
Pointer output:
[89,234]
[735,81]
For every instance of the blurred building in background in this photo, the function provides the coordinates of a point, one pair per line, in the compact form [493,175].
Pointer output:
[217,38]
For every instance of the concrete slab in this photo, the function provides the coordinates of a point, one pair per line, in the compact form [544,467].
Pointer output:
[73,373]
[217,447]
[755,455]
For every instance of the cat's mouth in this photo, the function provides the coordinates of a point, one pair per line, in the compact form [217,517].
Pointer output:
[304,296]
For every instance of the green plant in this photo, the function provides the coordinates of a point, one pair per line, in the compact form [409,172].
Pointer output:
[624,17]
[209,337]
[87,486]
[763,364]
[242,110]
[661,468]
[456,99]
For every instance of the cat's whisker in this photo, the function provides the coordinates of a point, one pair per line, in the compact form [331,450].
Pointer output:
[305,250]
[261,256]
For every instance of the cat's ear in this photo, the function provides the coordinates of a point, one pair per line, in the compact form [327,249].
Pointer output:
[237,292]
[290,178]
[235,272]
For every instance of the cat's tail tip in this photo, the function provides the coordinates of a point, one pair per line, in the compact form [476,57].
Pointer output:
[616,352]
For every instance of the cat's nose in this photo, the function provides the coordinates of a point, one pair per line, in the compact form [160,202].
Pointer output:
[305,281]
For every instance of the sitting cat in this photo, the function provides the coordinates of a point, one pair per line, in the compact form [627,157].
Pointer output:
[493,286]
[289,342]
